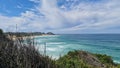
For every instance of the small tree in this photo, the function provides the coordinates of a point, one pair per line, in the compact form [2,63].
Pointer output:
[1,31]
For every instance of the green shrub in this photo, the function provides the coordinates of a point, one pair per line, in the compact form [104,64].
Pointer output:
[118,66]
[72,60]
[77,59]
[104,58]
[1,31]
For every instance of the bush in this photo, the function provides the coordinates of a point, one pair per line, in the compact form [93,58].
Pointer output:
[72,60]
[118,66]
[17,55]
[104,59]
[1,31]
[82,59]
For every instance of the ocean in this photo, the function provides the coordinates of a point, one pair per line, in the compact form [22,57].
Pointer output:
[59,45]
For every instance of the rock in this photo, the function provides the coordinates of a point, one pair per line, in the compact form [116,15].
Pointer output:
[90,59]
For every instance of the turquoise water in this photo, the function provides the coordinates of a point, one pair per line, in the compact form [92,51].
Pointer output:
[58,45]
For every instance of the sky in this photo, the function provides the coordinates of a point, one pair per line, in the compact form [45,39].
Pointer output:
[60,16]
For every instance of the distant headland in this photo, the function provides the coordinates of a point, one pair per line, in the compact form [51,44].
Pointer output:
[22,34]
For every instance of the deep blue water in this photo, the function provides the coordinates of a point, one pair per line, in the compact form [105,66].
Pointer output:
[96,43]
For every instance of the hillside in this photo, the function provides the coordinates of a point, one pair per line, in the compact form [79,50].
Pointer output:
[83,59]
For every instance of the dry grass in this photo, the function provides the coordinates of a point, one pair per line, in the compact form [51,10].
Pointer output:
[18,55]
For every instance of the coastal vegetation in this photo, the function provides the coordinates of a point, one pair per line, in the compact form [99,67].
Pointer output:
[1,31]
[23,34]
[83,59]
[15,54]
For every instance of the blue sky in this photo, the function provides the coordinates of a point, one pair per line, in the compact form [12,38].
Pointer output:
[61,16]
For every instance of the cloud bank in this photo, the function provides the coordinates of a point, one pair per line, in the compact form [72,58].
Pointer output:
[67,16]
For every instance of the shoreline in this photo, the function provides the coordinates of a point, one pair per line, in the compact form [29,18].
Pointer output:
[24,37]
[34,36]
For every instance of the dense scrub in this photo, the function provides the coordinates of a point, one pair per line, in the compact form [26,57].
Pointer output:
[82,59]
[18,55]
[105,59]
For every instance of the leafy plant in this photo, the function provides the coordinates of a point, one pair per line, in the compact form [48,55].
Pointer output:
[104,58]
[1,31]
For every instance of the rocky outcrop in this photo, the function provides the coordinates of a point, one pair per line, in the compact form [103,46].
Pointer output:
[83,59]
[90,59]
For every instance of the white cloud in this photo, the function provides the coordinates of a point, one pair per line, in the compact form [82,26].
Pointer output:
[18,6]
[36,1]
[9,23]
[49,16]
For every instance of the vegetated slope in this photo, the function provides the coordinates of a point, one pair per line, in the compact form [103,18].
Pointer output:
[18,55]
[82,59]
